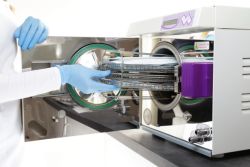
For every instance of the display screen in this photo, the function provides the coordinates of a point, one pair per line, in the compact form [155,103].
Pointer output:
[170,22]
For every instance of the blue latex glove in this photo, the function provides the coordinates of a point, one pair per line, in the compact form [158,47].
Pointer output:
[30,33]
[84,78]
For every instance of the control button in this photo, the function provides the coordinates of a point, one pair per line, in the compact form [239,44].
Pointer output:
[147,116]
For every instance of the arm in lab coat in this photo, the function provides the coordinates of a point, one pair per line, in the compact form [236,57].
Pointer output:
[27,84]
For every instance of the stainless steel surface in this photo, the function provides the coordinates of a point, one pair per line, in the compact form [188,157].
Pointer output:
[41,120]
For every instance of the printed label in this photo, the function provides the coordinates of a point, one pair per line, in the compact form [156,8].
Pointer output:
[201,45]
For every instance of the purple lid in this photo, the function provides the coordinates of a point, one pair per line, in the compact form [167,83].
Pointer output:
[197,79]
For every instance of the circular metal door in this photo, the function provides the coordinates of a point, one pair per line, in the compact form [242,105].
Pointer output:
[90,56]
[165,100]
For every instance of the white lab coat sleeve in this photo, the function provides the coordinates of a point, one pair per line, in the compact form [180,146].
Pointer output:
[27,84]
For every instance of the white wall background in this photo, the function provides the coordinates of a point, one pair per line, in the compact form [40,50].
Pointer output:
[99,18]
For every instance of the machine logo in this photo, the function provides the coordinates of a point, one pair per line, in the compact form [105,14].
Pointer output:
[186,19]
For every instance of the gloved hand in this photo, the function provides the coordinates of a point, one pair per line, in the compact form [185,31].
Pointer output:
[30,33]
[82,78]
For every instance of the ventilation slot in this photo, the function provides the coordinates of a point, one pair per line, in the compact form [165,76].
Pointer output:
[246,68]
[245,103]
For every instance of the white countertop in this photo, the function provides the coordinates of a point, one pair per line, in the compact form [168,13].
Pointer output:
[100,149]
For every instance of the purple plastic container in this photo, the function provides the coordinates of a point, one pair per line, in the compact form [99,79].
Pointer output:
[197,79]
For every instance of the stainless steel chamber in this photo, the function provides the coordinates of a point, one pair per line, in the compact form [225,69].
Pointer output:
[158,75]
